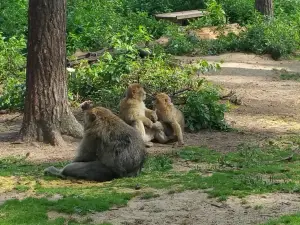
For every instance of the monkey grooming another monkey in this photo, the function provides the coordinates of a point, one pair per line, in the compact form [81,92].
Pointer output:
[134,112]
[168,114]
[110,148]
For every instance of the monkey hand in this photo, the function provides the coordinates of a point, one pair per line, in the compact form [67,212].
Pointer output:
[148,122]
[154,116]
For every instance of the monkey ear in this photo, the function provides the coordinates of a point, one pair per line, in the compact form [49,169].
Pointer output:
[168,100]
[92,117]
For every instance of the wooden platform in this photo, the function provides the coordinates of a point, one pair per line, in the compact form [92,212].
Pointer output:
[180,17]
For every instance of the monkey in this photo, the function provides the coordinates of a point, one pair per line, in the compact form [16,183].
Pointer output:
[134,112]
[110,149]
[171,117]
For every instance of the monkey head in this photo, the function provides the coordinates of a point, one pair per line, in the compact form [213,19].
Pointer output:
[161,100]
[98,117]
[86,105]
[136,91]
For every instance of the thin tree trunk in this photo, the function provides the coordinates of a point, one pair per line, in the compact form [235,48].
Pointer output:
[265,7]
[46,113]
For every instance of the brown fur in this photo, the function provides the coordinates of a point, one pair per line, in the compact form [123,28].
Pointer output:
[169,115]
[109,149]
[134,112]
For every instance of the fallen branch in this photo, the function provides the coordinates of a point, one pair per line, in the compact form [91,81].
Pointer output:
[180,91]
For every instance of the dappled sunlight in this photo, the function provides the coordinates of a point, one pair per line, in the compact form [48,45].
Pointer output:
[264,123]
[7,184]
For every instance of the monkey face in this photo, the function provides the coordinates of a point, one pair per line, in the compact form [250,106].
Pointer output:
[162,99]
[137,91]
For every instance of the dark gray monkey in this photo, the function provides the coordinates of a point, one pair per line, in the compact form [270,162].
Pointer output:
[110,148]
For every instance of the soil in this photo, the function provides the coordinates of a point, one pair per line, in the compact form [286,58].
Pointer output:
[270,108]
[194,208]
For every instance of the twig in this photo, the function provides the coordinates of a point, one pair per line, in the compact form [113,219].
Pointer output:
[10,120]
[180,91]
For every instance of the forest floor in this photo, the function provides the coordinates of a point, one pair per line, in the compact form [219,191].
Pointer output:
[270,110]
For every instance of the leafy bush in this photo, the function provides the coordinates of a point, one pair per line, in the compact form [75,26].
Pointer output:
[12,73]
[202,110]
[12,61]
[241,11]
[13,17]
[278,37]
[215,17]
[13,94]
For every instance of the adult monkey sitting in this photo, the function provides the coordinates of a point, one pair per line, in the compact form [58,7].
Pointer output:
[110,148]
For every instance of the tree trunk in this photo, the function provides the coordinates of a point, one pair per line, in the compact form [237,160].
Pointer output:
[265,7]
[47,114]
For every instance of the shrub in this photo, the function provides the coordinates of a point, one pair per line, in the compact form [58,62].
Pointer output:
[12,73]
[241,11]
[278,37]
[13,94]
[215,17]
[203,110]
[12,60]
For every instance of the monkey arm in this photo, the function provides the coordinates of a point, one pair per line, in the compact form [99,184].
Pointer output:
[151,114]
[146,121]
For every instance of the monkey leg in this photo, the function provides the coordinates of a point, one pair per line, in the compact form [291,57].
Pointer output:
[94,171]
[178,132]
[146,138]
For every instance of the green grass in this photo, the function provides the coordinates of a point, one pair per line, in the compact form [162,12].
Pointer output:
[289,219]
[250,170]
[290,76]
[148,195]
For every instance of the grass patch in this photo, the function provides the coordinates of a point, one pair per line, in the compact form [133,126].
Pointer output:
[149,195]
[290,76]
[250,170]
[290,219]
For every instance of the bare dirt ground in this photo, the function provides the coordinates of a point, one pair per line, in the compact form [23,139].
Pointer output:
[270,109]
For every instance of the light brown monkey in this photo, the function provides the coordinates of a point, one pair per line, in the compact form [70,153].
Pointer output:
[134,112]
[110,148]
[170,116]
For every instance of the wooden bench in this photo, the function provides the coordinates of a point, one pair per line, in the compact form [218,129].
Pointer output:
[181,17]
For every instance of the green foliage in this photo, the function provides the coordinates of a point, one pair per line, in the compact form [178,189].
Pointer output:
[202,110]
[13,17]
[158,163]
[195,154]
[290,76]
[288,219]
[149,195]
[278,37]
[12,59]
[12,73]
[216,16]
[179,43]
[241,11]
[32,211]
[157,6]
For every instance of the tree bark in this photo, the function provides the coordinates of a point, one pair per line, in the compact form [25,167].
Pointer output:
[265,7]
[47,114]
